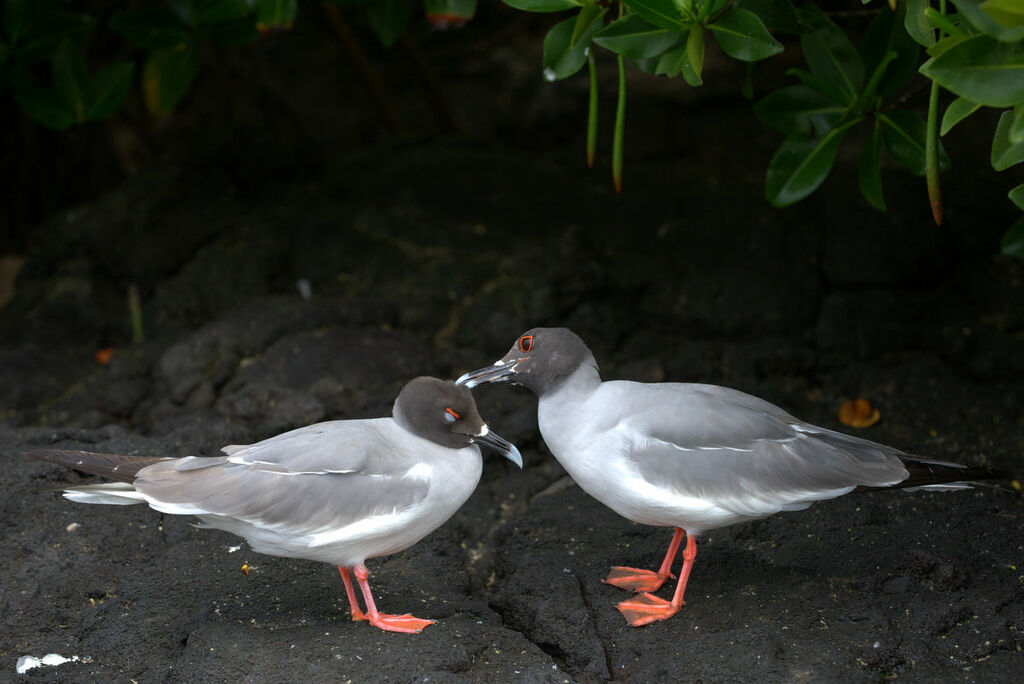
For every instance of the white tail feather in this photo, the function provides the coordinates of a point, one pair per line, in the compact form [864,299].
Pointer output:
[117,493]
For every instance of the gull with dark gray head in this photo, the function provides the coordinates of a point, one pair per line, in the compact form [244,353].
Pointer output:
[694,457]
[339,492]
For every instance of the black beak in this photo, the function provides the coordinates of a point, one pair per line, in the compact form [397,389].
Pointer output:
[498,443]
[501,371]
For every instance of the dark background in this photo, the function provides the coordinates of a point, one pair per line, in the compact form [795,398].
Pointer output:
[428,248]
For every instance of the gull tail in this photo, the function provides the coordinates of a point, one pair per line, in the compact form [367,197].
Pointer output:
[939,475]
[111,466]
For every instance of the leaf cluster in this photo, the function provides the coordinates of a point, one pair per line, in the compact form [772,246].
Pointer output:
[975,53]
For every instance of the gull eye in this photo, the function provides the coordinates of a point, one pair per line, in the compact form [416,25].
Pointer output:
[450,416]
[526,343]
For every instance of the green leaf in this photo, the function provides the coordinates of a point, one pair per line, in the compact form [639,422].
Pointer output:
[218,11]
[584,18]
[562,57]
[152,28]
[981,69]
[542,5]
[388,18]
[46,107]
[905,139]
[958,110]
[1017,196]
[742,36]
[832,57]
[799,166]
[1005,153]
[779,16]
[636,38]
[676,61]
[695,51]
[946,43]
[1013,239]
[275,14]
[70,77]
[49,29]
[1006,13]
[1000,19]
[799,111]
[662,13]
[886,34]
[943,22]
[108,88]
[166,76]
[870,172]
[1017,127]
[18,17]
[916,23]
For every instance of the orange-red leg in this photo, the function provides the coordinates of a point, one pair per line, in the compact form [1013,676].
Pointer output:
[353,604]
[646,608]
[392,623]
[636,579]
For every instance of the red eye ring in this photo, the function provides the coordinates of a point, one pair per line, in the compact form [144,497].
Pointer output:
[453,414]
[526,343]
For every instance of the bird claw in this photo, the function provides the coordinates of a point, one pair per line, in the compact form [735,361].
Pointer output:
[643,609]
[635,579]
[400,623]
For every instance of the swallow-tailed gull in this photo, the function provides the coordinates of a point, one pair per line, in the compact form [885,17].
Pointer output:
[690,456]
[339,492]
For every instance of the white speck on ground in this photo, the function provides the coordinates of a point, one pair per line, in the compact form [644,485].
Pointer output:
[27,662]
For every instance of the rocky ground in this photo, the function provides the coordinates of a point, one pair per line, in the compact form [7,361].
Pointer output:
[429,257]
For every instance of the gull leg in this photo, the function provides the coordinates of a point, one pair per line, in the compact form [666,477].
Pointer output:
[635,579]
[645,608]
[353,604]
[391,623]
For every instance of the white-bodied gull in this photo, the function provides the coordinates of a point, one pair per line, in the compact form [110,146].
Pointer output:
[690,456]
[339,492]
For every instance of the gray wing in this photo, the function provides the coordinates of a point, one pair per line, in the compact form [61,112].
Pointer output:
[750,455]
[319,477]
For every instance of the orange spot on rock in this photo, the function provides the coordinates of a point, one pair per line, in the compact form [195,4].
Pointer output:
[104,355]
[858,413]
[245,569]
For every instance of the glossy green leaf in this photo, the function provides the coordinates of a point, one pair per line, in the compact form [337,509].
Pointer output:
[946,43]
[779,16]
[151,28]
[916,23]
[662,13]
[742,36]
[799,111]
[1012,243]
[108,88]
[869,172]
[677,61]
[46,107]
[562,57]
[1006,13]
[275,14]
[943,22]
[886,34]
[636,38]
[981,69]
[832,57]
[166,76]
[542,5]
[1001,19]
[584,18]
[388,18]
[695,51]
[70,77]
[958,110]
[1017,196]
[799,166]
[904,134]
[1004,152]
[817,83]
